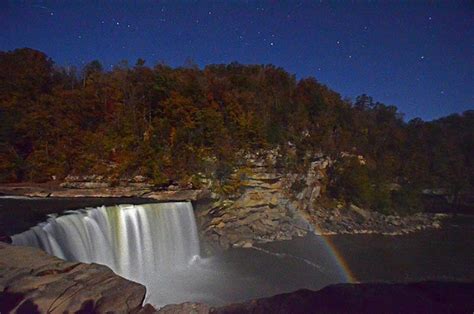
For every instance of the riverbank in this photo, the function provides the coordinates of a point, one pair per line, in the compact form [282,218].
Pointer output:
[262,213]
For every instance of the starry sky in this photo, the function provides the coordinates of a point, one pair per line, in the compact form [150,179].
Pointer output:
[416,55]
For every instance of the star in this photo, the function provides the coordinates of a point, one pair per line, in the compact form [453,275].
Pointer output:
[271,44]
[118,23]
[422,57]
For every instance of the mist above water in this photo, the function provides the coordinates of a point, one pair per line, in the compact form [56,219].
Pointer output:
[158,246]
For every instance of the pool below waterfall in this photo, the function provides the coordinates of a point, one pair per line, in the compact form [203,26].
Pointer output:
[158,246]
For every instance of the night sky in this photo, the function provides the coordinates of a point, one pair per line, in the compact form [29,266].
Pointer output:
[417,56]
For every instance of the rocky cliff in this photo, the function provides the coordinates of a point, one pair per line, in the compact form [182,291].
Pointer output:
[274,204]
[264,202]
[260,211]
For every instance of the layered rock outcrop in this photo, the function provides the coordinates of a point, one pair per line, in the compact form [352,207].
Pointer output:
[101,190]
[260,212]
[275,205]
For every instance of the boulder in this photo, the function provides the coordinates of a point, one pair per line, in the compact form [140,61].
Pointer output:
[33,281]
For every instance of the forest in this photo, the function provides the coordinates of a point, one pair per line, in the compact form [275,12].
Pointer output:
[171,123]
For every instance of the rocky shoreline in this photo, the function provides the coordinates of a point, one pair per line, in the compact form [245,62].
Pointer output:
[266,203]
[269,208]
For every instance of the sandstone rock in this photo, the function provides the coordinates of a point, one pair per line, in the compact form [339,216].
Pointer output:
[256,198]
[84,185]
[179,195]
[264,176]
[31,279]
[185,308]
[41,194]
[99,192]
[247,245]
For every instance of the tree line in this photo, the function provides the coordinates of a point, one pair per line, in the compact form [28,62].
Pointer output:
[172,123]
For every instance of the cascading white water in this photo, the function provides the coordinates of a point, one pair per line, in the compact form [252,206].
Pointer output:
[136,241]
[157,245]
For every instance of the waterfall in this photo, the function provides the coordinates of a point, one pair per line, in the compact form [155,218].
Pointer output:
[135,241]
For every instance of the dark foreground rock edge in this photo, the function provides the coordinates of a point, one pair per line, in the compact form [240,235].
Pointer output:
[422,297]
[32,281]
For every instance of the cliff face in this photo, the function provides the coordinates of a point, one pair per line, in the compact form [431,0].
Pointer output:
[32,281]
[260,211]
[271,204]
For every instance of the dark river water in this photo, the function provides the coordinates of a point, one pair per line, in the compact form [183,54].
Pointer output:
[446,254]
[311,262]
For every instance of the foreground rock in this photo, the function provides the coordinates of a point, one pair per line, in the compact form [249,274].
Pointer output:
[424,297]
[32,281]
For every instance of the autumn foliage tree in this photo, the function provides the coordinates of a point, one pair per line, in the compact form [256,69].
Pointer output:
[171,123]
